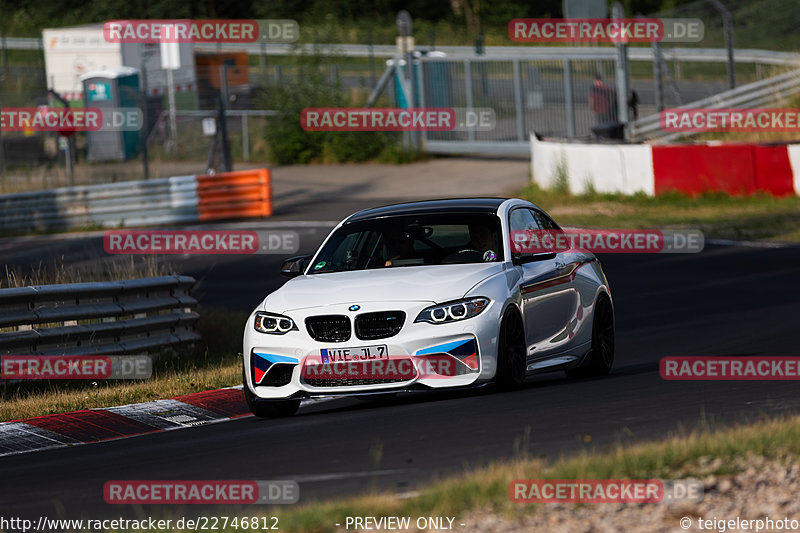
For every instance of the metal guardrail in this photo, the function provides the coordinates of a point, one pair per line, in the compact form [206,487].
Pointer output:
[103,318]
[711,55]
[765,92]
[22,43]
[179,199]
[703,55]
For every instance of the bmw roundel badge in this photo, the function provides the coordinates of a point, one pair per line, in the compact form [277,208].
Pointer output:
[354,308]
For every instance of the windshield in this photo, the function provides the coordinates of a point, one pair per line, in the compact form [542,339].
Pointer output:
[411,241]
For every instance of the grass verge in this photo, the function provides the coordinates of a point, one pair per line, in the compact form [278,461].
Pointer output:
[212,364]
[719,215]
[685,454]
[113,268]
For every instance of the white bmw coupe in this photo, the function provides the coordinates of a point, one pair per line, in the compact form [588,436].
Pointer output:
[427,295]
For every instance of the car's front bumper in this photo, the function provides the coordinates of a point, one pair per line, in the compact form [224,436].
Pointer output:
[429,356]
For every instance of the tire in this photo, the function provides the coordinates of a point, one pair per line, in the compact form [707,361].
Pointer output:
[511,353]
[268,408]
[600,359]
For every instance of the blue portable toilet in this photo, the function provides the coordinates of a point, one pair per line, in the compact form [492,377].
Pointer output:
[112,89]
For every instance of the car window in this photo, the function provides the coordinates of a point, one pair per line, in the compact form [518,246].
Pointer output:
[524,219]
[411,241]
[544,221]
[521,219]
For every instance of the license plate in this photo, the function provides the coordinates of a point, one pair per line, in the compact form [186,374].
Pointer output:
[361,353]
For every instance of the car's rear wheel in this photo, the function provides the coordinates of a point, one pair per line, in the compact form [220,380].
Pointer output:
[600,359]
[511,353]
[268,408]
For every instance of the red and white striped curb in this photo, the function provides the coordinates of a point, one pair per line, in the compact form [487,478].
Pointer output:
[109,423]
[734,168]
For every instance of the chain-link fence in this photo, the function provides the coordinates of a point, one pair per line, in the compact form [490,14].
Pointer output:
[760,24]
[528,90]
[550,97]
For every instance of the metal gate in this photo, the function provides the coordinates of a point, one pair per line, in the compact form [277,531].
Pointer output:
[545,93]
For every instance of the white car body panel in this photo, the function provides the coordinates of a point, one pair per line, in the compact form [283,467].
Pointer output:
[556,312]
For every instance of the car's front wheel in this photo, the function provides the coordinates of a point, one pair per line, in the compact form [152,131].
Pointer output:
[511,353]
[268,408]
[600,358]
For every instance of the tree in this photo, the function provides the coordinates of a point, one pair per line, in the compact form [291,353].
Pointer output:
[471,11]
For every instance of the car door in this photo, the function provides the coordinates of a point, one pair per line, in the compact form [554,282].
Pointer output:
[579,291]
[548,299]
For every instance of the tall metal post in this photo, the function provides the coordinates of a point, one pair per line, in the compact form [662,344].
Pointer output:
[223,119]
[727,28]
[569,100]
[173,126]
[520,110]
[621,67]
[372,76]
[145,131]
[468,93]
[658,77]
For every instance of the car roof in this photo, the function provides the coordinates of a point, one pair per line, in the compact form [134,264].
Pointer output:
[444,206]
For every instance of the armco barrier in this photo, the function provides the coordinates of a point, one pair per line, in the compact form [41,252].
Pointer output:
[771,92]
[656,169]
[104,318]
[179,199]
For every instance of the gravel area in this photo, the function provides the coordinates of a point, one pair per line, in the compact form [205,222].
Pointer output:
[760,489]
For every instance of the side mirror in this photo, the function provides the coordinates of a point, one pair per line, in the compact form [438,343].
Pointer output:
[521,259]
[295,266]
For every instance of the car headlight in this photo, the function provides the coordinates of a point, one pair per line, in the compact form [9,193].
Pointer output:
[452,311]
[274,324]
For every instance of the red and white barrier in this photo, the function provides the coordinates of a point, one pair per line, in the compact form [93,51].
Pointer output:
[656,169]
[175,200]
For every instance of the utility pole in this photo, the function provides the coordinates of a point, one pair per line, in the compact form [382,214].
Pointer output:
[223,107]
[618,12]
[727,26]
[144,133]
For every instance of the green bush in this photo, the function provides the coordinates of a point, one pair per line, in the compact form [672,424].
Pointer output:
[290,144]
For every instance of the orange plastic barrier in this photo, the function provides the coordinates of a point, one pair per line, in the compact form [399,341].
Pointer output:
[239,194]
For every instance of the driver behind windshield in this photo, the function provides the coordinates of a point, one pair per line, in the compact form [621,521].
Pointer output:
[482,237]
[399,245]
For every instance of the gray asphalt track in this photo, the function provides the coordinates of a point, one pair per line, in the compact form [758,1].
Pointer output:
[727,300]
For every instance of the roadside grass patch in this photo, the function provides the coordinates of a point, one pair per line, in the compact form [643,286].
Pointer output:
[211,364]
[695,453]
[718,215]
